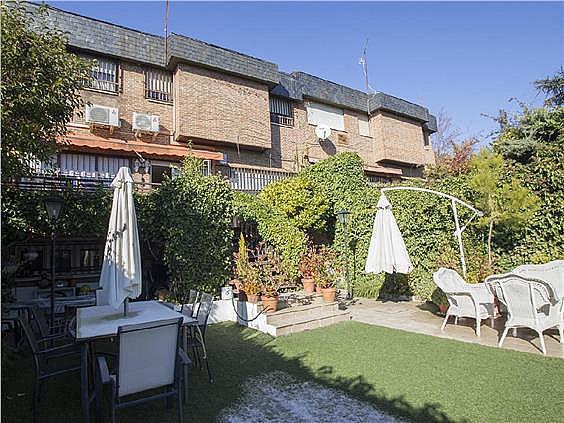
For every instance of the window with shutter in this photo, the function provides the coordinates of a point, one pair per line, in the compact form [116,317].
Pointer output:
[323,114]
[281,111]
[105,75]
[158,85]
[363,125]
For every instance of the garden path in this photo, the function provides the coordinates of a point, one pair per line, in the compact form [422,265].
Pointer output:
[419,317]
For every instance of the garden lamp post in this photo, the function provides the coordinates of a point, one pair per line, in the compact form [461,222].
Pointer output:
[53,205]
[343,217]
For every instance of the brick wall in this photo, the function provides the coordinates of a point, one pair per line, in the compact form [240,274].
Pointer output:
[132,99]
[220,108]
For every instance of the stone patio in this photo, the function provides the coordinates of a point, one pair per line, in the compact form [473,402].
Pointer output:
[420,318]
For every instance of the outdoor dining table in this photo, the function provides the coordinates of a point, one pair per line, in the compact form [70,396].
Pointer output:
[102,322]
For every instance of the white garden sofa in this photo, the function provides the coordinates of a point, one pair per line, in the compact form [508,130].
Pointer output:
[465,300]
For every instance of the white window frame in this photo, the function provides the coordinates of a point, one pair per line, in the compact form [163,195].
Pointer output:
[105,75]
[323,114]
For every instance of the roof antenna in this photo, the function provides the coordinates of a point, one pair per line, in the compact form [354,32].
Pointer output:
[166,34]
[364,62]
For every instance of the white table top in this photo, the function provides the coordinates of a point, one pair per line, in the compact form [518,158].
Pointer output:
[103,321]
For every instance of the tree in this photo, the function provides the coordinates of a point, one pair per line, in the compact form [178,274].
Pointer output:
[446,136]
[39,85]
[553,88]
[504,202]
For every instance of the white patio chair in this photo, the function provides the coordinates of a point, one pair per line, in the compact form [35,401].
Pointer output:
[551,273]
[465,300]
[530,303]
[149,357]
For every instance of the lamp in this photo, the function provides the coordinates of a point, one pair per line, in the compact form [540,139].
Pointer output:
[53,205]
[343,216]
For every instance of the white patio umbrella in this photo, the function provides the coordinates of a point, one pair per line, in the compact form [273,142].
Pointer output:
[121,271]
[387,252]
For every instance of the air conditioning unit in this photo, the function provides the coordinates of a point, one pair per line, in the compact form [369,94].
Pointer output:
[102,115]
[143,122]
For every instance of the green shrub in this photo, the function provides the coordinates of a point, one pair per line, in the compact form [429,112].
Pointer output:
[187,224]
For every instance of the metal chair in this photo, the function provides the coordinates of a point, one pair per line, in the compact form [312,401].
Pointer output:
[149,357]
[197,333]
[46,363]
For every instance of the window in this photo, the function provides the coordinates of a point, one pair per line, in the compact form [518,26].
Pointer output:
[322,114]
[281,111]
[426,141]
[105,75]
[89,165]
[158,173]
[158,85]
[363,125]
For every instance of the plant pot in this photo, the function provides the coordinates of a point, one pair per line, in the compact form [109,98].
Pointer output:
[308,284]
[442,308]
[318,289]
[253,298]
[270,304]
[329,294]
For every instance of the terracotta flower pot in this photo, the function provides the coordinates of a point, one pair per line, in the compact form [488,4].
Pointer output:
[318,289]
[308,284]
[443,308]
[270,304]
[253,298]
[329,294]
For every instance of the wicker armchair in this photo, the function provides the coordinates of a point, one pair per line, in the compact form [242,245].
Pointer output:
[465,300]
[530,303]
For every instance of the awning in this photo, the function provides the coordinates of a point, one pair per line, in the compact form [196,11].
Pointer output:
[94,143]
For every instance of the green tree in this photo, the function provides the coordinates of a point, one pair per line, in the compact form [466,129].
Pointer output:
[553,88]
[39,87]
[504,202]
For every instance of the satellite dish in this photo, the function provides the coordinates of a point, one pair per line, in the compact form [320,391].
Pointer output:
[323,132]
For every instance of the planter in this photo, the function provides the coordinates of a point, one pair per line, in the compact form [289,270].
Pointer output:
[329,294]
[253,298]
[443,308]
[270,304]
[318,289]
[308,284]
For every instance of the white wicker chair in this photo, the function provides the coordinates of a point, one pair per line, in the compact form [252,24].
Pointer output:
[465,300]
[530,303]
[551,273]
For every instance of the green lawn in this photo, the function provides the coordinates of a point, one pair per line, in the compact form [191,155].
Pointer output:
[417,377]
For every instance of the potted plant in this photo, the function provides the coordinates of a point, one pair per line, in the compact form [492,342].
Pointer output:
[439,298]
[242,268]
[327,273]
[251,284]
[308,266]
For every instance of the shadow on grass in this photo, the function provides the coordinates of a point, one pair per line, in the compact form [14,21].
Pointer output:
[236,354]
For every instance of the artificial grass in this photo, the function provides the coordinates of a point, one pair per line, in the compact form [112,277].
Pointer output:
[417,377]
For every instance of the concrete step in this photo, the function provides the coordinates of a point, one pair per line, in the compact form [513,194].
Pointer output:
[287,323]
[303,311]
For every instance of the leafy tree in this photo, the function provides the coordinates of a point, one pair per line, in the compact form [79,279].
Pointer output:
[553,88]
[503,202]
[39,86]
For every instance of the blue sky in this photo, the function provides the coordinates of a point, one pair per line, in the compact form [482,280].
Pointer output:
[465,58]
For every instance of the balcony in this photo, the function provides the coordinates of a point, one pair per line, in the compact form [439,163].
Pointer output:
[252,180]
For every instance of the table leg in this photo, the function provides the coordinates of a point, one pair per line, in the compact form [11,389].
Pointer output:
[85,396]
[185,347]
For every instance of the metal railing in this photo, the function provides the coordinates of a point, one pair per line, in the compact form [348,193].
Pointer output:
[253,180]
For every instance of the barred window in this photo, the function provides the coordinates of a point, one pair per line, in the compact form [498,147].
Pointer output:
[105,75]
[158,85]
[281,111]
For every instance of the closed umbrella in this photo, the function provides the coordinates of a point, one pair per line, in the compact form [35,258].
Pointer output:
[121,271]
[387,252]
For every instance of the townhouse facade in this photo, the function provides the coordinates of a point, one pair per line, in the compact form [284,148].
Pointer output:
[151,102]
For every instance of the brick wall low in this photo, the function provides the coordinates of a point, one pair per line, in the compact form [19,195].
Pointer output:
[221,108]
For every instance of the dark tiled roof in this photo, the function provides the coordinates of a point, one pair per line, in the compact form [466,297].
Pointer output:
[93,35]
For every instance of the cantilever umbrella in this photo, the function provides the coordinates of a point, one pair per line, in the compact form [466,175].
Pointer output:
[387,252]
[121,271]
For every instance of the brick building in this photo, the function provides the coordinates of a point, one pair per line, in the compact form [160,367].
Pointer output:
[154,102]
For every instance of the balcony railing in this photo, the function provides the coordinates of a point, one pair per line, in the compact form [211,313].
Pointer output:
[281,119]
[253,180]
